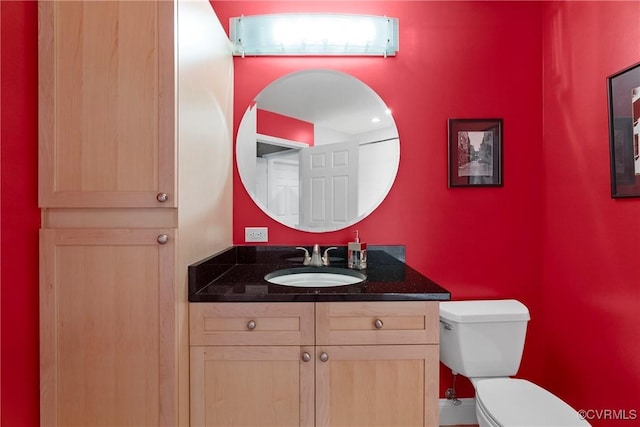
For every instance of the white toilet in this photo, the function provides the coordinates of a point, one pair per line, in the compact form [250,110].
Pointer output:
[483,340]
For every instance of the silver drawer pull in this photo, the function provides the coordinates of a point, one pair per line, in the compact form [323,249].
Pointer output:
[162,197]
[163,238]
[306,357]
[251,325]
[324,357]
[378,324]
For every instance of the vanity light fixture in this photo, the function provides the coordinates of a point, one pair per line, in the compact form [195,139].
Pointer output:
[314,34]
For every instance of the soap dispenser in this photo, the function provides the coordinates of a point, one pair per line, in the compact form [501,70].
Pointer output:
[357,253]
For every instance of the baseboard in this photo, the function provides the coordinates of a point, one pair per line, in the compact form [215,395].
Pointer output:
[464,413]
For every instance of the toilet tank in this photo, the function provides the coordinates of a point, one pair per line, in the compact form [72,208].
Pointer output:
[483,338]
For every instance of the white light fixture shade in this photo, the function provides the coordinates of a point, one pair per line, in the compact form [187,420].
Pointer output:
[314,34]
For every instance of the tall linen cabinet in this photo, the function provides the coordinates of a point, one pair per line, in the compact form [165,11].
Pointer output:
[135,160]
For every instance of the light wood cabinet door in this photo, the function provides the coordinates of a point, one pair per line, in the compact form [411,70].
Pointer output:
[377,386]
[257,386]
[106,104]
[107,334]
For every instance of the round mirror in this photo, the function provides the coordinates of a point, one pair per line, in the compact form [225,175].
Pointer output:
[318,150]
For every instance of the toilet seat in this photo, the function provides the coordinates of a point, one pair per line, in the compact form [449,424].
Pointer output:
[510,402]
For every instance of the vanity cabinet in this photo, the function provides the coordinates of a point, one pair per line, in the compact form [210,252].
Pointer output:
[315,364]
[134,185]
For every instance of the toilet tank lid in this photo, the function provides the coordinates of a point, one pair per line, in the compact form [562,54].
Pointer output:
[478,311]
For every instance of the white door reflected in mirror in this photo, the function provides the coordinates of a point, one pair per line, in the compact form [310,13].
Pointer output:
[341,163]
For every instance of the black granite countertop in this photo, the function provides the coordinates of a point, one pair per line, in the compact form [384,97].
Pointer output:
[237,275]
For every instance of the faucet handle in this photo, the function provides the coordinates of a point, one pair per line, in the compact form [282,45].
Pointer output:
[325,258]
[306,259]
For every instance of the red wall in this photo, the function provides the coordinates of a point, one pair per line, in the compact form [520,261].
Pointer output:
[591,244]
[551,236]
[20,218]
[274,124]
[456,60]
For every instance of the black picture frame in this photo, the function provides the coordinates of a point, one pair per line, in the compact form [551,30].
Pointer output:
[475,153]
[623,90]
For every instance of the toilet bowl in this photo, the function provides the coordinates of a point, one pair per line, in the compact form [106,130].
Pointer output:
[483,340]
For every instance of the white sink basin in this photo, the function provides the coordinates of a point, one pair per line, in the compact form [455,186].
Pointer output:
[315,277]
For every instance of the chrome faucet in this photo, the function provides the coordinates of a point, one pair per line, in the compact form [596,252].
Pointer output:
[315,260]
[306,260]
[325,258]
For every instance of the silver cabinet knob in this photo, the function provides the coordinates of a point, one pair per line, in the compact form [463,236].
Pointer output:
[162,197]
[378,324]
[163,238]
[324,357]
[306,357]
[251,325]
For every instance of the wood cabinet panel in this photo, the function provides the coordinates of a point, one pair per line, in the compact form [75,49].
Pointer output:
[257,386]
[383,386]
[106,104]
[106,343]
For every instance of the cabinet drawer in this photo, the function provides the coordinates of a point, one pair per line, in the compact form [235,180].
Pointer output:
[384,322]
[251,323]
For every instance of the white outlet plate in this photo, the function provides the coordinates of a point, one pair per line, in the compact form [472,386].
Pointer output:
[256,234]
